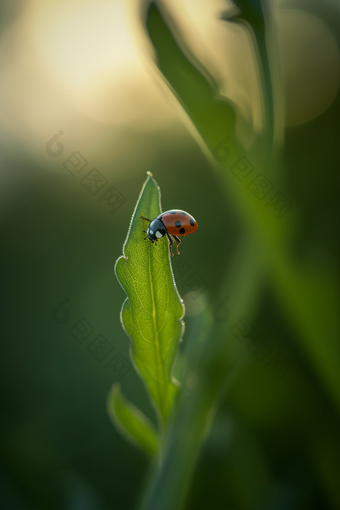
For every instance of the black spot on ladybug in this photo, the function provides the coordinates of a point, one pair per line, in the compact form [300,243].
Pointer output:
[192,223]
[184,213]
[178,224]
[182,231]
[173,212]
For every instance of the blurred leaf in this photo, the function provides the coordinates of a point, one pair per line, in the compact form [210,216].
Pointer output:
[131,422]
[252,16]
[295,285]
[211,117]
[152,313]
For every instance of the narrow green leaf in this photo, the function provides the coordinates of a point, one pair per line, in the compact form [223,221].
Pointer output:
[131,422]
[153,311]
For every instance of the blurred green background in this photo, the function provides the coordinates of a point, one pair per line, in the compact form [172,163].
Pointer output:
[87,68]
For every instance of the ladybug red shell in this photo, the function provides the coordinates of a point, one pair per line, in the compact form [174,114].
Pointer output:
[172,223]
[178,223]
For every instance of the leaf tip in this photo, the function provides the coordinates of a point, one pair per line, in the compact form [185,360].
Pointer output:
[115,388]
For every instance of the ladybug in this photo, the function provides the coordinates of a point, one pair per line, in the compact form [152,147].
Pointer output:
[172,223]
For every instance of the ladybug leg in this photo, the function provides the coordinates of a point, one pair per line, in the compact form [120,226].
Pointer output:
[145,230]
[170,243]
[178,241]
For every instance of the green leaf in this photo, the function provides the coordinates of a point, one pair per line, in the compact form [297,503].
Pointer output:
[131,422]
[153,311]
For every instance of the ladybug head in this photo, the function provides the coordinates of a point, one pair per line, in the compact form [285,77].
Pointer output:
[156,230]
